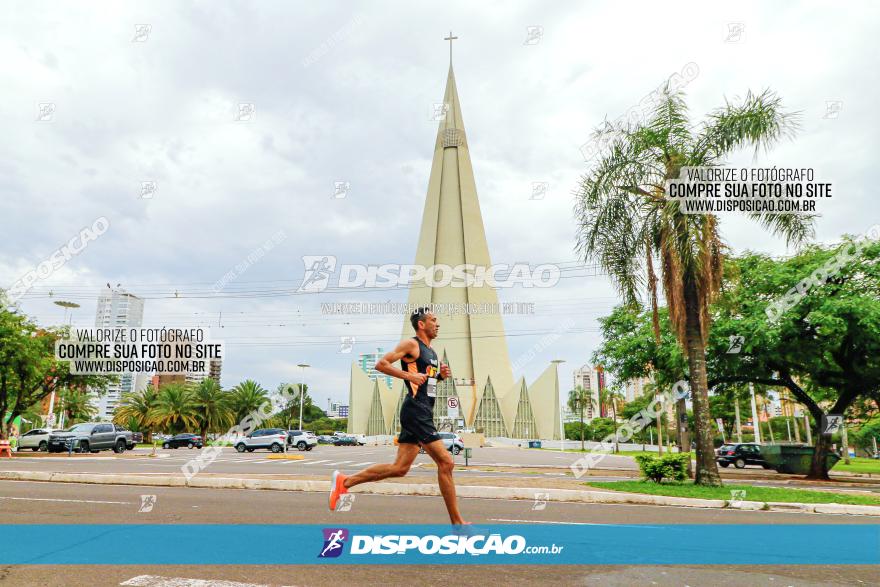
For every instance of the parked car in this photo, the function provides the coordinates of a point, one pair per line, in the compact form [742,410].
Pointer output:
[188,440]
[302,439]
[360,438]
[452,442]
[36,440]
[345,440]
[326,439]
[91,437]
[740,455]
[272,438]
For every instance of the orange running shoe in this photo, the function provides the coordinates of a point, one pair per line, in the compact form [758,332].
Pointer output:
[337,488]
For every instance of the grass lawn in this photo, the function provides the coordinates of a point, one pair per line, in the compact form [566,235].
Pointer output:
[753,493]
[858,465]
[624,453]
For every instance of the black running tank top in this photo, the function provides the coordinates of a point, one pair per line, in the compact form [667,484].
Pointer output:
[428,364]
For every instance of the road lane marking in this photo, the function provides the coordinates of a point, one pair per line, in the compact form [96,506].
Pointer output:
[158,581]
[337,464]
[363,464]
[66,500]
[316,462]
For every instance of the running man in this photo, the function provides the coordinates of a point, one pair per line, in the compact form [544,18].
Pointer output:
[421,370]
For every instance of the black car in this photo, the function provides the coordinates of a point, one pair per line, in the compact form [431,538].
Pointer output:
[740,455]
[187,440]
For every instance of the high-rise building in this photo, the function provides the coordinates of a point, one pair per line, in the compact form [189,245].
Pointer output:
[471,341]
[591,379]
[635,388]
[367,363]
[117,309]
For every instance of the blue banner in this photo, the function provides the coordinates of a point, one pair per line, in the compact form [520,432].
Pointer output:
[508,544]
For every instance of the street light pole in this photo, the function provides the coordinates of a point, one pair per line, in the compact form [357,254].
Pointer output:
[68,317]
[755,414]
[302,385]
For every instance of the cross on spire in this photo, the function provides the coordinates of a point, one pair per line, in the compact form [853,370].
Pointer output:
[450,38]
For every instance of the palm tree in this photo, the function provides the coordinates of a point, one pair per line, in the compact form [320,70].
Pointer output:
[626,219]
[174,409]
[76,405]
[137,407]
[212,407]
[247,397]
[577,397]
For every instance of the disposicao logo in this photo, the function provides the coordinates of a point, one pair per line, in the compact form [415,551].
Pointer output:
[334,542]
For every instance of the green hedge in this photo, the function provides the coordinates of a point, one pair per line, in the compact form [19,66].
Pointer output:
[669,466]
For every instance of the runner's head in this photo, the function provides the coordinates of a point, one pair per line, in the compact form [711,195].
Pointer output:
[422,319]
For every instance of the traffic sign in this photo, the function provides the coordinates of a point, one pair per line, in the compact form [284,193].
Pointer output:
[452,407]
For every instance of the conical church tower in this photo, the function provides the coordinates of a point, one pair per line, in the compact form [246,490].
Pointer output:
[471,342]
[452,234]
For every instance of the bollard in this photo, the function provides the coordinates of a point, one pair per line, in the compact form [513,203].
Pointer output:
[467,455]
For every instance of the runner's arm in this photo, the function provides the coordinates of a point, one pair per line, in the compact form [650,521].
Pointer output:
[408,348]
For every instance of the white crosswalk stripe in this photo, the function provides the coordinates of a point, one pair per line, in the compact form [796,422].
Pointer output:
[339,463]
[316,462]
[364,464]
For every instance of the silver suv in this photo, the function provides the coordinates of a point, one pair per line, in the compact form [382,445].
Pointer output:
[271,438]
[302,439]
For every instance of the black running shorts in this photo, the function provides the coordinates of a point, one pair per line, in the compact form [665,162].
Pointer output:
[416,424]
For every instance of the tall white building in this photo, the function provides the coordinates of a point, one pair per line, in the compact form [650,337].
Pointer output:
[592,379]
[118,308]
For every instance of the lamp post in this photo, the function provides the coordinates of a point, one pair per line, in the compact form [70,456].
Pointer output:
[558,399]
[302,385]
[68,316]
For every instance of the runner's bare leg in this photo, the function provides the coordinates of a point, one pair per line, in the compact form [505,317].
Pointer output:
[445,465]
[406,454]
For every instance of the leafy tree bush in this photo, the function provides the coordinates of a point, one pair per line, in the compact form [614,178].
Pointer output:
[669,466]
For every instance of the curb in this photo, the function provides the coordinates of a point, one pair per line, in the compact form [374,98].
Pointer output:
[425,489]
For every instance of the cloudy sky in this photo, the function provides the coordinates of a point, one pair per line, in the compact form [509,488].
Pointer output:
[101,97]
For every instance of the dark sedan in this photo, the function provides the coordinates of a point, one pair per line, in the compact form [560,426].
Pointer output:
[740,455]
[345,441]
[181,440]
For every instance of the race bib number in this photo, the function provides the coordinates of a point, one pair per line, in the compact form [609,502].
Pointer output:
[432,387]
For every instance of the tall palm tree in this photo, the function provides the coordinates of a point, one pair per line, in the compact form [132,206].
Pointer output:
[212,406]
[175,409]
[626,219]
[247,397]
[137,407]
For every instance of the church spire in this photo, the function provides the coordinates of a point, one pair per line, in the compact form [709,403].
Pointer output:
[452,234]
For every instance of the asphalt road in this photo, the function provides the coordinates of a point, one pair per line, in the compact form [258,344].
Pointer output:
[30,503]
[322,460]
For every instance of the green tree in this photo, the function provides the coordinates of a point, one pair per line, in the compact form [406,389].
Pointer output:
[135,410]
[77,405]
[626,219]
[175,408]
[247,397]
[824,349]
[212,406]
[578,401]
[28,369]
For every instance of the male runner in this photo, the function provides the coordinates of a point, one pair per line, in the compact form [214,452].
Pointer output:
[420,369]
